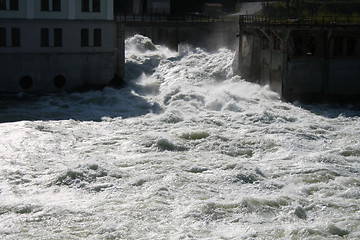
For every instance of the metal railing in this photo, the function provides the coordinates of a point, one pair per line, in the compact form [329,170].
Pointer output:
[162,15]
[308,21]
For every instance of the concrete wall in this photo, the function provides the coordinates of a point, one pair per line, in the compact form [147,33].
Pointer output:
[119,53]
[79,66]
[30,35]
[80,69]
[344,76]
[271,69]
[11,14]
[70,9]
[305,76]
[38,14]
[311,76]
[106,10]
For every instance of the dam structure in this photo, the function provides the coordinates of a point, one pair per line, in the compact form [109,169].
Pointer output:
[55,45]
[317,58]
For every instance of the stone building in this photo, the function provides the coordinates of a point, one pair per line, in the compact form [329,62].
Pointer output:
[50,45]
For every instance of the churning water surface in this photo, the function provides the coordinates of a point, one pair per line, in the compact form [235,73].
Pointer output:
[185,151]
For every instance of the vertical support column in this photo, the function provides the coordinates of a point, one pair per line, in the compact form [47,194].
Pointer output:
[30,9]
[119,71]
[237,59]
[255,66]
[109,10]
[285,62]
[174,36]
[71,10]
[326,78]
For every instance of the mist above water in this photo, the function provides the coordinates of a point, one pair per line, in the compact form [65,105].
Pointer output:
[186,151]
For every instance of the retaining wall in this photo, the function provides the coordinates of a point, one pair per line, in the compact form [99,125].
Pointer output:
[326,70]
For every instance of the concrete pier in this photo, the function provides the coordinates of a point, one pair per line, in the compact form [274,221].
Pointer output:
[301,60]
[119,71]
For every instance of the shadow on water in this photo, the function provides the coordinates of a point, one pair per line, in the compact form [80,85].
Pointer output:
[92,105]
[332,109]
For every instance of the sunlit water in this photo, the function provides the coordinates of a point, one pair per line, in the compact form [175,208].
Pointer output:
[185,151]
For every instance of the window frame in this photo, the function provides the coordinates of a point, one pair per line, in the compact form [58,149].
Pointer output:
[96,6]
[3,5]
[85,5]
[2,37]
[14,5]
[97,37]
[15,37]
[56,5]
[58,39]
[44,5]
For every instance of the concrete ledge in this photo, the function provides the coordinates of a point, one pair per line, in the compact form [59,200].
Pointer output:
[78,69]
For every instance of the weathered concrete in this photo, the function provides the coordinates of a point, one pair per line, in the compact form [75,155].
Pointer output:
[78,66]
[301,62]
[42,68]
[119,53]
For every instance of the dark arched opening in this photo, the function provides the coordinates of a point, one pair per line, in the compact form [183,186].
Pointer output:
[59,81]
[26,82]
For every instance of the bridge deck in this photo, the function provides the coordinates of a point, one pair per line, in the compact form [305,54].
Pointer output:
[173,18]
[312,21]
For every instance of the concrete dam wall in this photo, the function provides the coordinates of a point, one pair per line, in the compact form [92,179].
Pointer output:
[301,62]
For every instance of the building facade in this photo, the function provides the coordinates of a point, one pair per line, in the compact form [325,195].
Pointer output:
[50,45]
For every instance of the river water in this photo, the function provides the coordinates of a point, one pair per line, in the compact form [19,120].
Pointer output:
[185,151]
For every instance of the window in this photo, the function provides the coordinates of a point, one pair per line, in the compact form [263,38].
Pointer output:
[2,4]
[85,5]
[56,4]
[14,4]
[84,37]
[57,37]
[44,37]
[44,5]
[2,37]
[15,37]
[96,5]
[97,37]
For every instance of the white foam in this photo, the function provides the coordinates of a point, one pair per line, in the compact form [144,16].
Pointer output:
[185,151]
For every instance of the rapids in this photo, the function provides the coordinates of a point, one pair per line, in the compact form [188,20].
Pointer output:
[186,150]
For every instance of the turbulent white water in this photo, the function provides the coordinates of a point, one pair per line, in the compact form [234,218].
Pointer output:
[185,151]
